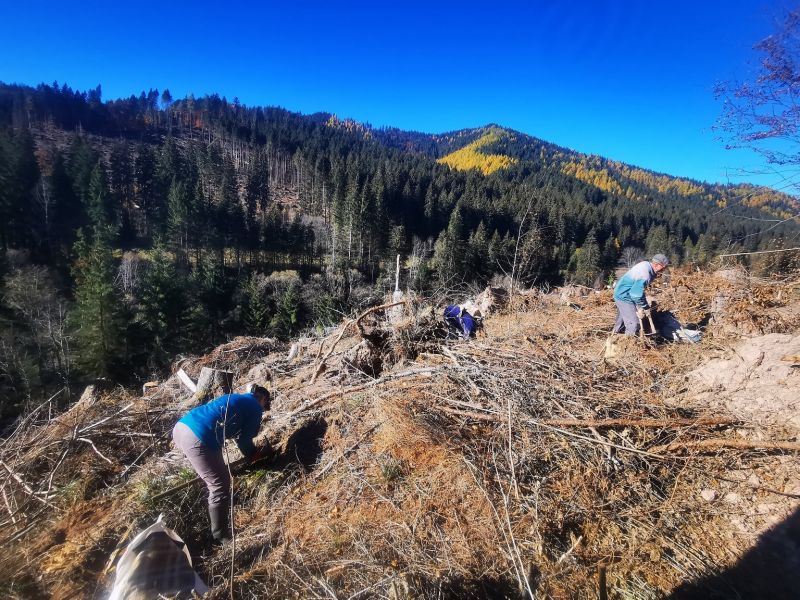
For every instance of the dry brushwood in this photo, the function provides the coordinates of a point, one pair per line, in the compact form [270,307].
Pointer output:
[343,329]
[605,423]
[515,465]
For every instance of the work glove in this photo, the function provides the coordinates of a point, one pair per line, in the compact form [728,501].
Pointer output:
[643,312]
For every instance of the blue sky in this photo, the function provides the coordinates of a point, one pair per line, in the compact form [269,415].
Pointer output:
[630,80]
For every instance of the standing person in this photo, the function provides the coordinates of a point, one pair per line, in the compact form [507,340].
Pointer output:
[201,434]
[629,293]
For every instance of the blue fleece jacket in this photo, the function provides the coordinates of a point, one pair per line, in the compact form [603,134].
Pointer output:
[631,287]
[460,319]
[208,422]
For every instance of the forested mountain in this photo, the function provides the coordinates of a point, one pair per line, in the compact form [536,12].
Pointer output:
[493,147]
[138,228]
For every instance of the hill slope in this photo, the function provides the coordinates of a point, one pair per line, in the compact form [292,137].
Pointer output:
[510,465]
[493,147]
[143,227]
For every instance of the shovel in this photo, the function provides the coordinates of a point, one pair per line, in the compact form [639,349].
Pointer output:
[641,327]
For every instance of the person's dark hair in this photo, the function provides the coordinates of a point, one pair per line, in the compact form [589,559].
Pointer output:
[257,391]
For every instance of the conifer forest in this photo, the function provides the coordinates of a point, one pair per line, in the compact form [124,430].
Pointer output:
[135,230]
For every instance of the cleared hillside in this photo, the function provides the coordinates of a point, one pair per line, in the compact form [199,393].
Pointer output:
[512,465]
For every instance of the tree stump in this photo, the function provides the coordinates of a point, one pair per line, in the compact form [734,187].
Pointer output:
[365,357]
[210,384]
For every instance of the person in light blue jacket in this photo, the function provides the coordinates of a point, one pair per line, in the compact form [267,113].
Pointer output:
[629,293]
[201,435]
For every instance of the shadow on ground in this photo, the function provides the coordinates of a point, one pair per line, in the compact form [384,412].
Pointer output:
[304,446]
[769,570]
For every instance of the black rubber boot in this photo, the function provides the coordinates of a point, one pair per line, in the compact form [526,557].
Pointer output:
[218,515]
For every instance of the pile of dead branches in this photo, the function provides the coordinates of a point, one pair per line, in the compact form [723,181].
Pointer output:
[732,301]
[504,469]
[518,463]
[47,463]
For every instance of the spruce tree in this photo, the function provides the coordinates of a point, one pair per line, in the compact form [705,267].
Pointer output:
[587,261]
[449,256]
[179,220]
[287,312]
[211,289]
[478,253]
[151,209]
[100,207]
[7,200]
[120,177]
[100,331]
[688,250]
[81,161]
[658,241]
[69,213]
[256,310]
[397,244]
[19,174]
[161,310]
[257,186]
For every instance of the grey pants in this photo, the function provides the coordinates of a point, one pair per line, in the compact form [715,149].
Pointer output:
[626,317]
[207,462]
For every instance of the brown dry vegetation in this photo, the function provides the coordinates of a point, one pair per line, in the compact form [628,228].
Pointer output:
[447,476]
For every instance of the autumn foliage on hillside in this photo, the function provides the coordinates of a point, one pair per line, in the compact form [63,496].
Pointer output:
[471,157]
[617,178]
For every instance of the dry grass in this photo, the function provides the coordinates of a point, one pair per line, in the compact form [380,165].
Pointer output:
[440,479]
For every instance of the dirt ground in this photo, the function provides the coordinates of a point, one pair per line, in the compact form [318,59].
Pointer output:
[752,382]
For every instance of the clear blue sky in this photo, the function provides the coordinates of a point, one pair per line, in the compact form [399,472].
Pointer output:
[629,79]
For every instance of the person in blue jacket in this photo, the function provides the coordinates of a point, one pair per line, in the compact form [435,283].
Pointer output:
[201,435]
[629,293]
[460,320]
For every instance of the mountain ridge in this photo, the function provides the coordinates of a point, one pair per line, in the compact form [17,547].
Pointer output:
[520,149]
[608,175]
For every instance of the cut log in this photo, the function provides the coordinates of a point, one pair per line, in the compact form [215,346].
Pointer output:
[213,381]
[187,381]
[210,384]
[148,387]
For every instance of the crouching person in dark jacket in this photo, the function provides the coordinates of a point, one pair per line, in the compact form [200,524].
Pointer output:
[201,434]
[460,321]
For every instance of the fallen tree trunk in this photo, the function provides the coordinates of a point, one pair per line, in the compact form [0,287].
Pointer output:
[717,444]
[603,423]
